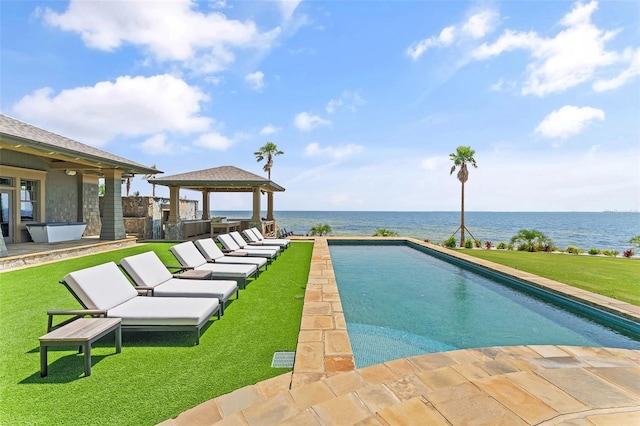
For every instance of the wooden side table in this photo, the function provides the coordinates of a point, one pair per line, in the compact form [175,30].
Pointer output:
[81,332]
[194,274]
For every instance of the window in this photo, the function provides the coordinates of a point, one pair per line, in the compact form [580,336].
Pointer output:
[28,200]
[6,181]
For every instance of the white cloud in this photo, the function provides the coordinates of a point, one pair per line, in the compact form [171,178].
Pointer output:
[213,141]
[157,144]
[497,86]
[633,70]
[269,130]
[255,80]
[288,7]
[130,106]
[350,100]
[476,26]
[445,38]
[434,163]
[570,58]
[480,24]
[568,121]
[306,122]
[166,30]
[333,152]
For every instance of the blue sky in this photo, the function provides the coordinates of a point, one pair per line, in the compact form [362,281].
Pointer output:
[366,98]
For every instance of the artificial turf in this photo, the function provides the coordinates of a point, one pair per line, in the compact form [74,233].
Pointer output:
[158,374]
[614,277]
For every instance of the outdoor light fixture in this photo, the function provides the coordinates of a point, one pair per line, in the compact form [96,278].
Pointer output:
[70,172]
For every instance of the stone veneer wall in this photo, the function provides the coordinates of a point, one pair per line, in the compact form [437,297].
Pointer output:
[143,216]
[89,205]
[61,197]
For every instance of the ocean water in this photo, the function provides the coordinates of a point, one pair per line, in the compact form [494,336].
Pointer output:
[602,230]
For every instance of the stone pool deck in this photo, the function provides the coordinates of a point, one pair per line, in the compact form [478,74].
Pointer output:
[523,385]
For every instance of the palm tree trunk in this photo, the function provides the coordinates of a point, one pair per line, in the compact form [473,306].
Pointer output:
[462,219]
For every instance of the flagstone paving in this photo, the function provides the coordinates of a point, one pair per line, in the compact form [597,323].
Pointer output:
[521,385]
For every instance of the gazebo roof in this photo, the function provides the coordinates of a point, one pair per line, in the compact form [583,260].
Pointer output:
[219,179]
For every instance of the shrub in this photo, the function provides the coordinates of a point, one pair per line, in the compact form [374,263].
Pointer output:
[636,241]
[627,253]
[383,232]
[608,252]
[320,230]
[531,240]
[501,245]
[478,243]
[468,243]
[593,251]
[488,245]
[510,246]
[573,250]
[450,242]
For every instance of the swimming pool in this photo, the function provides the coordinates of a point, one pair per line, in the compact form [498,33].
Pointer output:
[399,302]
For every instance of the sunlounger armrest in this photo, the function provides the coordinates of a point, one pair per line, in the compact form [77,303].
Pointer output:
[77,313]
[179,268]
[144,290]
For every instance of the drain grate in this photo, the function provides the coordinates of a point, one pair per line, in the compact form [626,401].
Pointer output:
[283,359]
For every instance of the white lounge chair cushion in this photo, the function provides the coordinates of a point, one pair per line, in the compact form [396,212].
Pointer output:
[210,249]
[177,287]
[228,270]
[146,269]
[188,255]
[260,237]
[244,245]
[230,244]
[270,242]
[101,287]
[144,310]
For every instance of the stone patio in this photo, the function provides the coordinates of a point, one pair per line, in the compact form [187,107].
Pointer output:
[524,385]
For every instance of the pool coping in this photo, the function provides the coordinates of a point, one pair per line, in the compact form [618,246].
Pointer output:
[324,349]
[325,386]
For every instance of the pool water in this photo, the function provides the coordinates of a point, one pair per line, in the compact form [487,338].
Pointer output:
[399,302]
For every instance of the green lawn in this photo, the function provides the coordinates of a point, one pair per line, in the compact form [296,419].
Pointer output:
[614,277]
[158,375]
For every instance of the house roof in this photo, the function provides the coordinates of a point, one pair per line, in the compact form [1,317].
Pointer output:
[62,152]
[219,179]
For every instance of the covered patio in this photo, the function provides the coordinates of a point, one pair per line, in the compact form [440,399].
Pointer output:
[223,179]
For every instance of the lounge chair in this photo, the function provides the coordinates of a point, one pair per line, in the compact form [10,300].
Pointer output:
[230,245]
[261,237]
[284,233]
[213,254]
[104,290]
[190,258]
[240,241]
[149,273]
[254,238]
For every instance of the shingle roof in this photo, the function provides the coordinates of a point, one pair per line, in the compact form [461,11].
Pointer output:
[40,138]
[223,176]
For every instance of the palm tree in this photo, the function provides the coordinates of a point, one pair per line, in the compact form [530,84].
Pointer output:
[269,150]
[460,158]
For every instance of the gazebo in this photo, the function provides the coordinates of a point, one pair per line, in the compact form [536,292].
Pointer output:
[217,179]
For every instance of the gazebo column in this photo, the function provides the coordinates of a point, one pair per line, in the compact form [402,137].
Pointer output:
[173,226]
[255,218]
[205,204]
[270,206]
[112,218]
